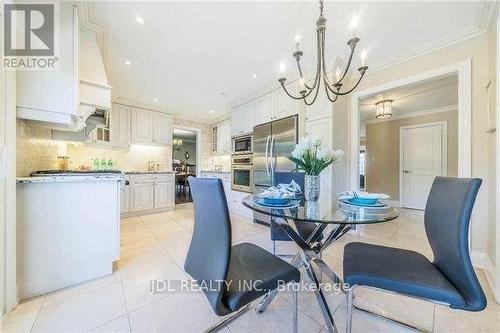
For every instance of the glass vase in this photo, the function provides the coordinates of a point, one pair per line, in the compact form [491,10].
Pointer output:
[311,187]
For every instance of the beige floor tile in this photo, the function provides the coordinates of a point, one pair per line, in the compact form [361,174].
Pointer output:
[131,223]
[263,240]
[364,322]
[82,312]
[382,232]
[418,313]
[153,219]
[457,321]
[276,318]
[79,289]
[177,251]
[176,313]
[407,240]
[144,263]
[22,318]
[120,325]
[137,290]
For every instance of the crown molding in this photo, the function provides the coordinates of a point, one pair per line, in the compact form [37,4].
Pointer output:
[487,14]
[447,108]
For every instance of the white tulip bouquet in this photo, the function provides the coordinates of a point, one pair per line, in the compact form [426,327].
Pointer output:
[311,156]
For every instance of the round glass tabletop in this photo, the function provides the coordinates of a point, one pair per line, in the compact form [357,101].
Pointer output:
[317,212]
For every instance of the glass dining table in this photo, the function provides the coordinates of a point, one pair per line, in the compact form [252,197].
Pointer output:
[314,226]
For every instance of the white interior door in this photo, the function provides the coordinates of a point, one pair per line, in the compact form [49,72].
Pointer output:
[423,157]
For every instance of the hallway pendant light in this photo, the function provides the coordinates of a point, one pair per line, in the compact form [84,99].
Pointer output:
[332,89]
[384,109]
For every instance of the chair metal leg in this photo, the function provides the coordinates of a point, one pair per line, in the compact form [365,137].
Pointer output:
[228,319]
[266,300]
[348,326]
[295,312]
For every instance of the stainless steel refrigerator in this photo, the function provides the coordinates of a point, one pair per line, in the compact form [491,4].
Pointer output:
[272,144]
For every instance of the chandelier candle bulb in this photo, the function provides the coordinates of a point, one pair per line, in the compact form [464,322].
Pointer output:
[363,57]
[297,39]
[338,74]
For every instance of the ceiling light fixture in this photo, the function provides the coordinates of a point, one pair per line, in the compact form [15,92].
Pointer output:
[254,76]
[155,99]
[139,19]
[128,62]
[384,109]
[211,111]
[332,89]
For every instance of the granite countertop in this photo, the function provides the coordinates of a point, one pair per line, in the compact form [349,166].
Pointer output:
[135,172]
[103,177]
[213,171]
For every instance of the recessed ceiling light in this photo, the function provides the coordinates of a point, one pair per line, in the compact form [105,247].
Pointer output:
[139,19]
[128,62]
[254,76]
[155,99]
[211,111]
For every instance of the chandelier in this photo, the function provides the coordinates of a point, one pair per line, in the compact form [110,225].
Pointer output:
[332,89]
[384,109]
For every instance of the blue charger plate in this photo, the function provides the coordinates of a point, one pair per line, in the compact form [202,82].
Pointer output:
[363,201]
[290,203]
[350,202]
[276,201]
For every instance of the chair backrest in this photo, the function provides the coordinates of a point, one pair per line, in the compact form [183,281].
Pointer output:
[287,177]
[208,256]
[447,218]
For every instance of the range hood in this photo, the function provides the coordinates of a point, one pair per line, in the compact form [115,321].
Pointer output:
[94,91]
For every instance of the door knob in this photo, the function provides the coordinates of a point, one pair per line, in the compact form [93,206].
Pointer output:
[406,171]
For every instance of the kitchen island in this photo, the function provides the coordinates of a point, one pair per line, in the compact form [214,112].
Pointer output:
[68,230]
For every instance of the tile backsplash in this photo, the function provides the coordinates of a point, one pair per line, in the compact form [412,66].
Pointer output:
[37,151]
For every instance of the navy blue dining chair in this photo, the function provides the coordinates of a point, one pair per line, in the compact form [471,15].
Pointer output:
[240,273]
[449,279]
[277,232]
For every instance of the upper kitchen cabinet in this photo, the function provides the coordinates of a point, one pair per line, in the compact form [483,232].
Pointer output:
[150,127]
[162,128]
[265,109]
[243,119]
[221,137]
[120,128]
[65,98]
[321,108]
[275,105]
[52,96]
[142,126]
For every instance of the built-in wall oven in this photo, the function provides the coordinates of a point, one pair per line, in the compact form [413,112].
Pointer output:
[242,145]
[242,173]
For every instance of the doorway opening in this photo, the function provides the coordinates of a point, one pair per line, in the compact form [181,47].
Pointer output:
[185,150]
[409,141]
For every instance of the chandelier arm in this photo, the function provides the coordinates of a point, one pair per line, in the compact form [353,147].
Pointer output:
[327,91]
[322,50]
[351,90]
[314,98]
[318,66]
[290,95]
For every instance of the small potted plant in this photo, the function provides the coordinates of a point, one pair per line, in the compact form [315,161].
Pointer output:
[312,157]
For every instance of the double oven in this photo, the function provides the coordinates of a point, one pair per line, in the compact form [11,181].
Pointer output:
[241,164]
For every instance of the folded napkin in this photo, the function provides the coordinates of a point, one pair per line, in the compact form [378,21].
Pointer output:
[352,194]
[283,191]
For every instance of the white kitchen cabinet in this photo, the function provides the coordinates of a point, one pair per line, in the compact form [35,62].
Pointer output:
[142,126]
[164,193]
[142,196]
[120,128]
[238,120]
[265,109]
[321,108]
[125,195]
[236,206]
[151,192]
[162,128]
[243,119]
[221,140]
[285,106]
[52,96]
[323,128]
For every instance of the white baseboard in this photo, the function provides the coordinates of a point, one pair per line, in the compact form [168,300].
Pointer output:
[481,260]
